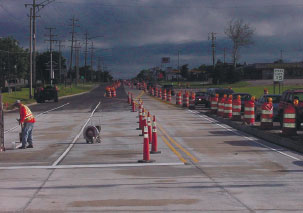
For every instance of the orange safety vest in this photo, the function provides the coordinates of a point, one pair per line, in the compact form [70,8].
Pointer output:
[26,115]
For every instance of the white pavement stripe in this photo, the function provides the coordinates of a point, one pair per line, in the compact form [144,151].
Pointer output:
[91,166]
[248,138]
[15,127]
[76,138]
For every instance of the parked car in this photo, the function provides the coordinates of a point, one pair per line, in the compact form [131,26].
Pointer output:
[200,98]
[211,92]
[244,97]
[287,99]
[46,93]
[262,100]
[169,87]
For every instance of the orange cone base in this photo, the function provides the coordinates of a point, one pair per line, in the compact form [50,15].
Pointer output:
[155,152]
[146,161]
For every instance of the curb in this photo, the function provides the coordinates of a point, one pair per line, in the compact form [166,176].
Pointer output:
[270,137]
[62,97]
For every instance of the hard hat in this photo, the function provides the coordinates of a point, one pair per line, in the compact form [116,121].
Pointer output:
[269,100]
[253,98]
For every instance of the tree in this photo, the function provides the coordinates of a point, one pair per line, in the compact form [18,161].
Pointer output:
[240,34]
[184,71]
[43,66]
[13,60]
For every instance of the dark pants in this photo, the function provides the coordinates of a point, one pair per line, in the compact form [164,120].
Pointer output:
[27,134]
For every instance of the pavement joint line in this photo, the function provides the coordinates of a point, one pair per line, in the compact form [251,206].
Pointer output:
[91,166]
[178,145]
[75,139]
[253,139]
[173,149]
[42,113]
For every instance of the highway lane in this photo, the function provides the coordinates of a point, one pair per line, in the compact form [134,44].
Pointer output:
[224,170]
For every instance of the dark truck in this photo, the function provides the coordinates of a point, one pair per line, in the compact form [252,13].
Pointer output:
[287,99]
[46,93]
[169,87]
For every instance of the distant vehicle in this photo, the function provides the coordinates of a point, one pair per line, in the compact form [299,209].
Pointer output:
[211,92]
[263,99]
[287,99]
[244,97]
[169,87]
[200,98]
[46,93]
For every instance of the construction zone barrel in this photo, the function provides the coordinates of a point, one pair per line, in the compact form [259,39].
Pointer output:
[214,104]
[289,121]
[108,92]
[160,93]
[156,92]
[179,99]
[192,100]
[152,91]
[267,115]
[169,96]
[249,111]
[236,114]
[228,107]
[113,92]
[221,102]
[186,99]
[164,95]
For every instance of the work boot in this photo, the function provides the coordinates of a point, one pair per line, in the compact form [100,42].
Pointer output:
[22,147]
[30,146]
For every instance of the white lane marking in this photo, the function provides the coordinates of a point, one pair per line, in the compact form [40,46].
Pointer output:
[253,139]
[91,166]
[15,127]
[76,138]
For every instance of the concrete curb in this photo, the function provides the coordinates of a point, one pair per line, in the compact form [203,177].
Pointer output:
[272,138]
[60,98]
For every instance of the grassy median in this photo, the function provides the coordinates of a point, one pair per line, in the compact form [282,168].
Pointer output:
[23,95]
[242,86]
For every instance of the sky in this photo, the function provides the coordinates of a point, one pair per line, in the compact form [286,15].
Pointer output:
[132,35]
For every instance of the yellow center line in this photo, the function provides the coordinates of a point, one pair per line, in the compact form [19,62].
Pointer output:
[173,149]
[178,145]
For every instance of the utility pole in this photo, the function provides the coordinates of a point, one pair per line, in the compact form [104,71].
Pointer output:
[30,80]
[85,54]
[51,40]
[73,25]
[178,60]
[60,62]
[213,45]
[77,54]
[91,60]
[36,7]
[281,55]
[224,55]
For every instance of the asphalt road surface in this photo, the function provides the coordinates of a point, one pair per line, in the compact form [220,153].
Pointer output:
[204,166]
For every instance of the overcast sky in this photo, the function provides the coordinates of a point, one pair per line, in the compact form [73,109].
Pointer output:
[137,33]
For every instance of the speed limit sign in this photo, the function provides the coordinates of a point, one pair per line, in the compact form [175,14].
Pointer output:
[278,75]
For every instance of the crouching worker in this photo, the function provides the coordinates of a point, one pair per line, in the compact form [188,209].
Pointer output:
[26,121]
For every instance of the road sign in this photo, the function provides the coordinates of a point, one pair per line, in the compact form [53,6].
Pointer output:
[278,75]
[165,60]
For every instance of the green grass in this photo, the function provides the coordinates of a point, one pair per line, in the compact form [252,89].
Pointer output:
[241,86]
[23,95]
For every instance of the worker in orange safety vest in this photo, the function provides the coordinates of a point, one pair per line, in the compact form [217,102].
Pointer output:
[26,121]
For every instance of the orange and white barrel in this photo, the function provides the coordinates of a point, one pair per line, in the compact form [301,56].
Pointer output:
[160,93]
[236,115]
[157,92]
[289,121]
[267,116]
[169,96]
[192,100]
[221,102]
[164,95]
[186,99]
[179,99]
[228,107]
[249,112]
[214,104]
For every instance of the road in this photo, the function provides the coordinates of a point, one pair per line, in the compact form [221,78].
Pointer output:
[204,166]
